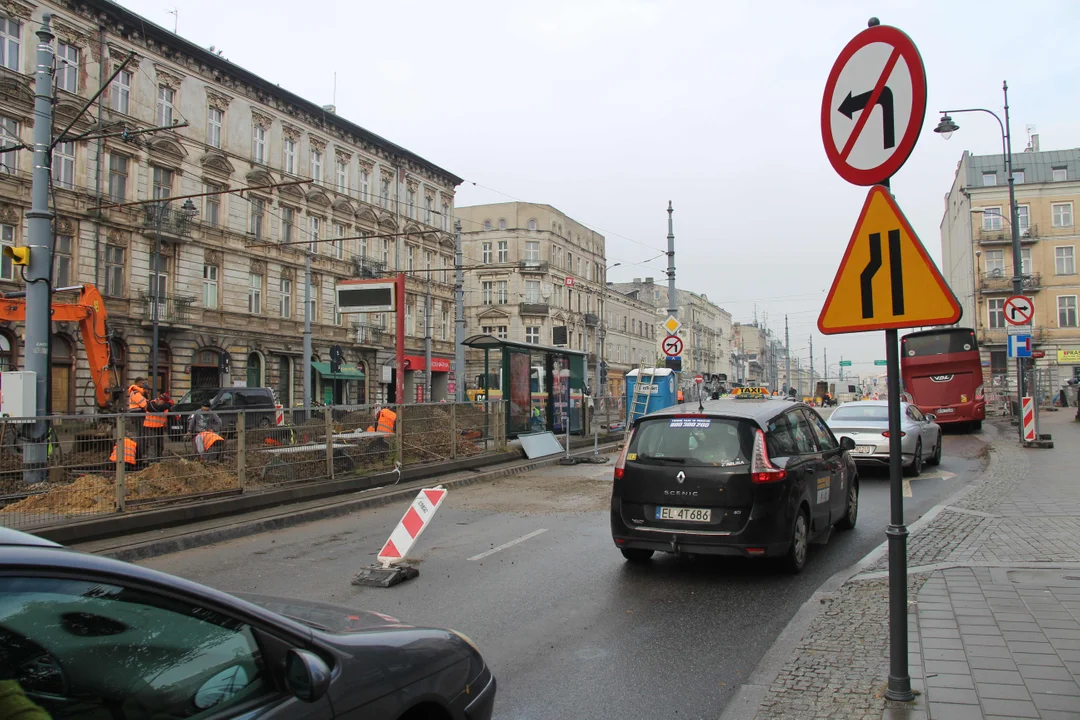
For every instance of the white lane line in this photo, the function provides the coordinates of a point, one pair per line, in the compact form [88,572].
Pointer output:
[510,544]
[907,488]
[946,475]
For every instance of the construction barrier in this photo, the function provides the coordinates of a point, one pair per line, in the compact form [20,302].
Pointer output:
[1027,412]
[413,523]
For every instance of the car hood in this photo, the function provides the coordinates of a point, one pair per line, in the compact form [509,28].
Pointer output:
[325,617]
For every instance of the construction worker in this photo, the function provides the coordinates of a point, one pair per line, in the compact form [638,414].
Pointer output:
[203,428]
[131,454]
[679,396]
[154,426]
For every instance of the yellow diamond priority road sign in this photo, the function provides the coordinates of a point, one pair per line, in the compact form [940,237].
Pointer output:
[672,325]
[886,279]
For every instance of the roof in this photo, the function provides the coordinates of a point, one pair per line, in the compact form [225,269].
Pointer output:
[656,372]
[15,537]
[729,407]
[140,25]
[490,342]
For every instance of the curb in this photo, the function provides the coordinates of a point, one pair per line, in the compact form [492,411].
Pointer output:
[117,549]
[746,702]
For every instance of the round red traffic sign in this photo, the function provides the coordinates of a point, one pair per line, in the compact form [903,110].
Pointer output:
[874,104]
[1019,310]
[672,346]
[698,379]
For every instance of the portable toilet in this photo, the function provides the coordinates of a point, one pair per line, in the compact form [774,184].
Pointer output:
[661,392]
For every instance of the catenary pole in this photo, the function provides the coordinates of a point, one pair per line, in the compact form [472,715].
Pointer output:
[307,334]
[787,356]
[459,318]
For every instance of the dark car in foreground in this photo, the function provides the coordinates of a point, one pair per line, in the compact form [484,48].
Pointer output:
[258,403]
[748,477]
[83,636]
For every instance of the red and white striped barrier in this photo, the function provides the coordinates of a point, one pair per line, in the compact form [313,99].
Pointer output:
[1027,412]
[416,519]
[279,415]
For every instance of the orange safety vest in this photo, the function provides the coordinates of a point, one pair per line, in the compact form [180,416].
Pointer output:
[209,438]
[129,452]
[385,420]
[680,396]
[136,398]
[154,420]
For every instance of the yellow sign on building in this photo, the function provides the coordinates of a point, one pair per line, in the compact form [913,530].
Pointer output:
[886,279]
[1069,357]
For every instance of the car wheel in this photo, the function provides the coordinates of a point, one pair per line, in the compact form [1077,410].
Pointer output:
[851,512]
[264,422]
[915,467]
[936,459]
[800,541]
[636,555]
[977,425]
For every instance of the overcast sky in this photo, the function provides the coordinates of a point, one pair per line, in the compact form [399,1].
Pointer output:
[607,109]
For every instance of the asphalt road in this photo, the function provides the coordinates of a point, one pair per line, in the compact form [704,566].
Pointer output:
[525,566]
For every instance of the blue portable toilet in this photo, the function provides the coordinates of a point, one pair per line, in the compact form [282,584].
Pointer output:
[662,392]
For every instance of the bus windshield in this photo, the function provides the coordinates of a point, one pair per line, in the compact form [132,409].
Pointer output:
[939,343]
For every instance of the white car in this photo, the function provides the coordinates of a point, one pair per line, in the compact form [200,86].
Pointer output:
[866,422]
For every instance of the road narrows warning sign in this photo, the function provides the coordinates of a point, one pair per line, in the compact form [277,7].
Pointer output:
[874,104]
[886,279]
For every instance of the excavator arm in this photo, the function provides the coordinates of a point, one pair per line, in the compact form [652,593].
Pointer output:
[89,312]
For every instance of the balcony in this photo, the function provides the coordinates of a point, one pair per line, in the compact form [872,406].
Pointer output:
[591,319]
[995,281]
[1003,235]
[365,334]
[533,266]
[533,308]
[174,224]
[171,309]
[365,267]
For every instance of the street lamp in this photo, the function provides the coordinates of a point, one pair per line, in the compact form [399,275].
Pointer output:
[186,215]
[946,127]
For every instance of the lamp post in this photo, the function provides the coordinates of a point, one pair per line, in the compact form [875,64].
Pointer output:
[946,127]
[186,215]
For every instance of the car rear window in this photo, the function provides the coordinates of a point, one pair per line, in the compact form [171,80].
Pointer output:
[860,412]
[721,442]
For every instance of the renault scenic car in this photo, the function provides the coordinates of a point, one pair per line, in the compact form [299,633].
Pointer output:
[750,477]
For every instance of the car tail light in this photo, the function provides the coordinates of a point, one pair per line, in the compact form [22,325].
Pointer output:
[979,393]
[886,433]
[620,464]
[761,469]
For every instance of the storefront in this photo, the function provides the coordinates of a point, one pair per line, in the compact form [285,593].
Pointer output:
[416,376]
[344,387]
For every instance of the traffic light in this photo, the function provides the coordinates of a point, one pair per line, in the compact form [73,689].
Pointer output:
[336,356]
[17,255]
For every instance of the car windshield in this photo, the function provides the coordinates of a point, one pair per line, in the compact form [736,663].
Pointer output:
[861,412]
[198,396]
[721,442]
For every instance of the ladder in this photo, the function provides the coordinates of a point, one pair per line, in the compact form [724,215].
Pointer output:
[639,403]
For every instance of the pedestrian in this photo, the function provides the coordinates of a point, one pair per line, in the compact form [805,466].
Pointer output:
[204,428]
[154,426]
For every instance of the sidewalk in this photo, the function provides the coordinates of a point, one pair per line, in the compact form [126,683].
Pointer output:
[994,596]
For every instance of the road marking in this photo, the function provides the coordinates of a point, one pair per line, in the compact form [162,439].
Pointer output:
[947,475]
[907,488]
[512,543]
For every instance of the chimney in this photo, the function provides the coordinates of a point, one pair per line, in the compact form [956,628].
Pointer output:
[1035,142]
[648,281]
[637,281]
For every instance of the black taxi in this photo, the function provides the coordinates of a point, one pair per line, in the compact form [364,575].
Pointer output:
[748,476]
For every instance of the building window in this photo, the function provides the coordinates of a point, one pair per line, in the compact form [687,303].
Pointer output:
[485,253]
[991,218]
[445,216]
[1066,311]
[214,119]
[288,222]
[502,296]
[569,261]
[121,92]
[1062,214]
[532,225]
[258,208]
[532,335]
[165,96]
[1023,218]
[1059,174]
[504,254]
[410,203]
[1018,177]
[995,263]
[386,253]
[255,294]
[114,271]
[363,245]
[7,238]
[989,179]
[118,173]
[258,144]
[1025,261]
[410,258]
[995,310]
[485,287]
[342,176]
[210,286]
[285,301]
[62,264]
[316,165]
[487,225]
[385,190]
[312,308]
[532,251]
[67,67]
[365,182]
[212,205]
[163,179]
[532,291]
[502,223]
[9,137]
[428,202]
[410,320]
[63,165]
[337,245]
[445,324]
[1064,260]
[313,234]
[288,156]
[10,34]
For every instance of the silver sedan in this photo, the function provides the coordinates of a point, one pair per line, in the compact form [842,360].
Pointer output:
[866,422]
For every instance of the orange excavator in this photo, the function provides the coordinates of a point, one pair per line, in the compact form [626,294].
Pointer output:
[89,312]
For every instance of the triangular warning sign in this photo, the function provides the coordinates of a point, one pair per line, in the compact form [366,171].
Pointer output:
[389,550]
[434,496]
[886,279]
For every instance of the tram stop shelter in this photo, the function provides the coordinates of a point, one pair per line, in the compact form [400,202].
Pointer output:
[542,386]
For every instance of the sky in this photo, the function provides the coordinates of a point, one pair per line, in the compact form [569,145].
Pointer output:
[608,109]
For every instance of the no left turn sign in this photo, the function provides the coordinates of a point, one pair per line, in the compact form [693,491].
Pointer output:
[874,105]
[672,346]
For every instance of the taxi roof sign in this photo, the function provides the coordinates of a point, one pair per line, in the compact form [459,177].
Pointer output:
[886,279]
[750,393]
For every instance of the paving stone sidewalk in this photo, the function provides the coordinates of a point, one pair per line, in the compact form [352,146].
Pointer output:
[994,623]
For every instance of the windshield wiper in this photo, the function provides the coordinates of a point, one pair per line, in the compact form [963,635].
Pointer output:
[662,458]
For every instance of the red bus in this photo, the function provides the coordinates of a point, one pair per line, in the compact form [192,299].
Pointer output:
[942,371]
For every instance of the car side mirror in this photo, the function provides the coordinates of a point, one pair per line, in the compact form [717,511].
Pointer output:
[847,443]
[307,676]
[931,417]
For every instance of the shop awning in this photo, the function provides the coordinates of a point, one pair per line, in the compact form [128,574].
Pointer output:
[346,372]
